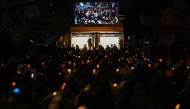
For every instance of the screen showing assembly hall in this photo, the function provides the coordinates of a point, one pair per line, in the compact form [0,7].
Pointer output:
[96,13]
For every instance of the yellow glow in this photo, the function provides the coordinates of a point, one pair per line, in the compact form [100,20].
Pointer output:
[74,64]
[97,66]
[54,93]
[42,63]
[69,62]
[177,106]
[13,83]
[132,68]
[59,73]
[88,61]
[115,85]
[187,67]
[69,71]
[87,87]
[172,68]
[28,65]
[18,72]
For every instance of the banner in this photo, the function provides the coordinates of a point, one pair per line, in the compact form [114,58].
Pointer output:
[166,39]
[176,17]
[179,4]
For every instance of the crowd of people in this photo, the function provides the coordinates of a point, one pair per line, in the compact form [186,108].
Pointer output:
[96,13]
[67,78]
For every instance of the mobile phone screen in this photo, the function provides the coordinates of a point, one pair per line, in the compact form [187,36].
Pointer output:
[32,75]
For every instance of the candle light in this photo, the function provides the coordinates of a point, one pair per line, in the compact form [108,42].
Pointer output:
[54,93]
[88,57]
[79,57]
[142,56]
[97,66]
[88,61]
[28,65]
[135,59]
[9,62]
[115,85]
[74,64]
[18,72]
[69,71]
[187,67]
[106,56]
[172,68]
[132,68]
[70,62]
[42,63]
[122,58]
[63,86]
[149,65]
[160,60]
[119,60]
[59,73]
[144,59]
[94,72]
[142,53]
[135,54]
[117,71]
[13,83]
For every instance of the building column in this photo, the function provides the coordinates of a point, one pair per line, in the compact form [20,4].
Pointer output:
[96,39]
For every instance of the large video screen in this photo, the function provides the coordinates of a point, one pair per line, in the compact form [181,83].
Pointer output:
[96,13]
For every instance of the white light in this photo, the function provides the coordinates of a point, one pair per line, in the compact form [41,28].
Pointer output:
[147,42]
[50,4]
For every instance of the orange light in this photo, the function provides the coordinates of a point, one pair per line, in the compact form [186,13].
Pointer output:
[117,70]
[172,68]
[63,86]
[149,65]
[13,83]
[42,63]
[160,60]
[94,71]
[74,64]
